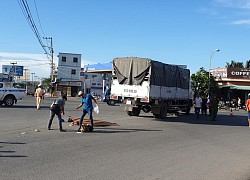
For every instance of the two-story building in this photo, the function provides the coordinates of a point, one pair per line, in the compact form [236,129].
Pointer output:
[68,74]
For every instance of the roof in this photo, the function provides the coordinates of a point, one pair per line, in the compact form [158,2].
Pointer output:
[236,87]
[98,67]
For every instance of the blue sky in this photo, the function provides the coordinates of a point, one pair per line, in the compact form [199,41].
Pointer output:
[170,31]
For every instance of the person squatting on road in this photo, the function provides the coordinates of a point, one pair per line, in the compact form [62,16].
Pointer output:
[214,107]
[248,109]
[56,108]
[39,96]
[87,109]
[197,105]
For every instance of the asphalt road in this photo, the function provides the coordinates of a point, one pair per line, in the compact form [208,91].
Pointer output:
[177,147]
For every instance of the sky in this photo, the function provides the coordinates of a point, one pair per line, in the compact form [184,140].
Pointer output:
[171,31]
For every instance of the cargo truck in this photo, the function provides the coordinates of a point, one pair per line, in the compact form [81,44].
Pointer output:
[151,86]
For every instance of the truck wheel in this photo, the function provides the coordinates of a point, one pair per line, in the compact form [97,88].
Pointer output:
[188,109]
[164,110]
[129,113]
[157,116]
[136,111]
[111,102]
[9,101]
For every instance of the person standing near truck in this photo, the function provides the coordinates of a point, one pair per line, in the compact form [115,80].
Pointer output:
[39,96]
[197,105]
[214,107]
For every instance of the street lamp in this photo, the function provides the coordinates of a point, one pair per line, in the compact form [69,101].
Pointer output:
[211,55]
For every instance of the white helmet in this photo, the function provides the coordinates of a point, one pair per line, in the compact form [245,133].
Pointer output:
[80,93]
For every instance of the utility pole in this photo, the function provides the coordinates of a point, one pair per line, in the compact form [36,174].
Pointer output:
[32,77]
[13,69]
[25,78]
[51,53]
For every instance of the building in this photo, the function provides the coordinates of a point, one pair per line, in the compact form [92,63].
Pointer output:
[68,74]
[96,78]
[233,82]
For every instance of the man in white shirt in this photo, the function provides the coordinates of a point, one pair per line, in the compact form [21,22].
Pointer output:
[197,105]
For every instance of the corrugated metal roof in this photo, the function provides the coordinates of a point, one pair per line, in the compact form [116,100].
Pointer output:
[98,67]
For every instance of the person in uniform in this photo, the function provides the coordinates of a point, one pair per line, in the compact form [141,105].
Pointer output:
[39,96]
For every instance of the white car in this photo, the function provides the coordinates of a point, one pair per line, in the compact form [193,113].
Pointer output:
[9,96]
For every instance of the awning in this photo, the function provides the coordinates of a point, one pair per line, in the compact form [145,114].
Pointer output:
[236,87]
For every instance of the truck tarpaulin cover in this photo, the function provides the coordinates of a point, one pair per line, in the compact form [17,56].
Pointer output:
[133,70]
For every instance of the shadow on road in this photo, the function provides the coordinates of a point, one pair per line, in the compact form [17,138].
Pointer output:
[222,119]
[24,107]
[115,130]
[8,153]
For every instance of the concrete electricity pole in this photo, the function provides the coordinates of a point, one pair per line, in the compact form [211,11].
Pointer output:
[52,58]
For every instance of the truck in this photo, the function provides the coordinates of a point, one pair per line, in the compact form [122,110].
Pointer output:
[9,96]
[151,86]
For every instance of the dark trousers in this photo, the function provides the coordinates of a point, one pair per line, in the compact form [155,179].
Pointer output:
[204,110]
[51,117]
[197,111]
[84,112]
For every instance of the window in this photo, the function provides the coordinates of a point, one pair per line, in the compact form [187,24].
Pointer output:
[73,71]
[63,59]
[75,59]
[93,76]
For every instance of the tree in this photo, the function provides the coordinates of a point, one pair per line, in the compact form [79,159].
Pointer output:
[247,65]
[200,82]
[234,64]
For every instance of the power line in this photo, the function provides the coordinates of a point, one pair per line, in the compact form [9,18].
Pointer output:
[27,14]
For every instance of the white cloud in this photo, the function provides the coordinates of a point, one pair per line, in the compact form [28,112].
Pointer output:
[242,4]
[37,63]
[242,22]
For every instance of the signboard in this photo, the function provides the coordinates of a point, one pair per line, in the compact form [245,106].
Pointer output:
[9,69]
[238,73]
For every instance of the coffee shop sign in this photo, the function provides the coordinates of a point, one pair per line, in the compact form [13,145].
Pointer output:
[238,73]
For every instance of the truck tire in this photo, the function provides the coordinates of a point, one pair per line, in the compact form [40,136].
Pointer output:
[136,111]
[129,113]
[9,100]
[164,110]
[157,116]
[111,102]
[188,110]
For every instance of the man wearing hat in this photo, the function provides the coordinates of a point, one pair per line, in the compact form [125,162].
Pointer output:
[39,95]
[87,109]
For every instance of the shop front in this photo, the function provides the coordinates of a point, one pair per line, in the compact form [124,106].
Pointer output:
[69,88]
[233,83]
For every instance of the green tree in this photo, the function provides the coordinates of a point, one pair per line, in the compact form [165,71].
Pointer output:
[200,82]
[247,65]
[234,64]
